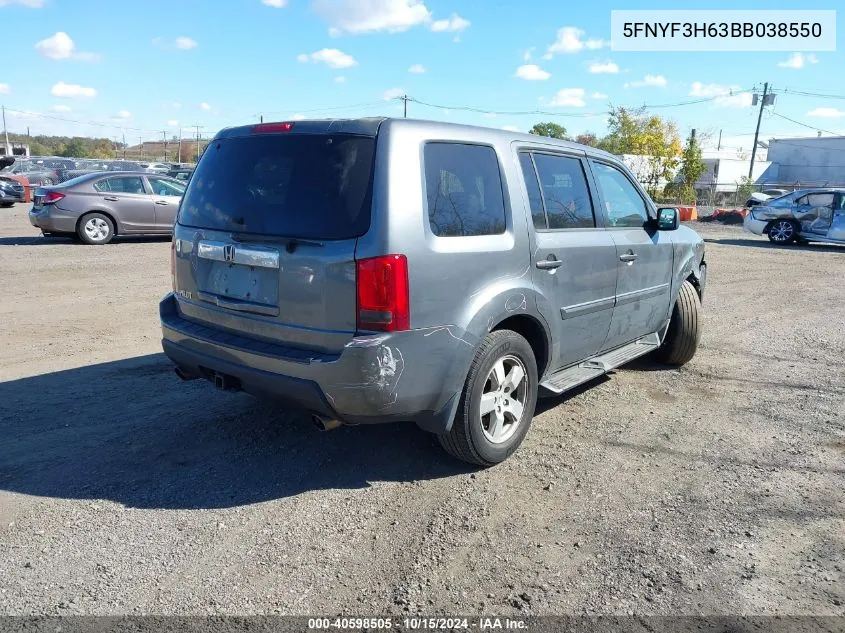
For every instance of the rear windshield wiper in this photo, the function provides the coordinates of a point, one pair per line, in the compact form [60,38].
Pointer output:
[290,242]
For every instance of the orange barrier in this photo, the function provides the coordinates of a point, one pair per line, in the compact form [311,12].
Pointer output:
[742,212]
[688,213]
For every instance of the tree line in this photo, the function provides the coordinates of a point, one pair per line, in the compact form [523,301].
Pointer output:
[636,131]
[102,148]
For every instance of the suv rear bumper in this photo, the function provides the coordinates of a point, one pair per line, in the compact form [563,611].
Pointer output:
[404,376]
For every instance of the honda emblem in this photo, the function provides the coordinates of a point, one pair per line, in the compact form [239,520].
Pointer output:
[229,252]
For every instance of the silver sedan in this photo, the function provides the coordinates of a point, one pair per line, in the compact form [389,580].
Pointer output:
[809,215]
[95,207]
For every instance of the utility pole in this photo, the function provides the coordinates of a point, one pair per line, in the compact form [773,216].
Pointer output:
[180,145]
[124,146]
[261,118]
[405,100]
[6,134]
[719,146]
[757,131]
[140,147]
[198,142]
[164,134]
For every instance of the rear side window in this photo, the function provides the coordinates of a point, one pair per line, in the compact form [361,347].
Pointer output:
[290,185]
[120,185]
[463,190]
[565,192]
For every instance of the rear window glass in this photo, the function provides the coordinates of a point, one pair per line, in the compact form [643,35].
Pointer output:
[297,185]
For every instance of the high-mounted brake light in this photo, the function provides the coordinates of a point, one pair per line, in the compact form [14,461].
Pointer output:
[383,295]
[264,128]
[52,196]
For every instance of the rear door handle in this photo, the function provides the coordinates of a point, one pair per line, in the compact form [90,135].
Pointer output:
[549,264]
[162,202]
[628,257]
[110,198]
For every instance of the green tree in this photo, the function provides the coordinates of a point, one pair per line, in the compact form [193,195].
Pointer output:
[693,166]
[552,130]
[76,148]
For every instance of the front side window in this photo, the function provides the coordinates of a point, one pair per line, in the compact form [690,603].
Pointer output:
[565,192]
[624,205]
[820,200]
[463,190]
[162,187]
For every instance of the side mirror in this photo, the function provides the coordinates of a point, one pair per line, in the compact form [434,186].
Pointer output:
[668,219]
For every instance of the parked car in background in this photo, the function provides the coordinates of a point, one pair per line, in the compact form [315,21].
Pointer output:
[810,215]
[97,206]
[11,191]
[381,270]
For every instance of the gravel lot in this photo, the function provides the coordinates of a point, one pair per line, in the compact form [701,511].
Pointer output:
[717,489]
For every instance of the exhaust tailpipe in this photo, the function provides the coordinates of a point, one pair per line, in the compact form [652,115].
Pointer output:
[323,423]
[185,375]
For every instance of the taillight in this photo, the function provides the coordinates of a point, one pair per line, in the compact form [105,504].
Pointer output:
[52,196]
[173,264]
[383,297]
[264,128]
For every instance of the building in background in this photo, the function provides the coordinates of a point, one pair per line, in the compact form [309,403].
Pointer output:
[814,161]
[17,149]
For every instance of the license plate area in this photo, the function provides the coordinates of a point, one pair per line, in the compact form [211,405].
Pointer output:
[240,283]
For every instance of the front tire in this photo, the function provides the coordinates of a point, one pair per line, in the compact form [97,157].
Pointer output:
[684,333]
[782,232]
[497,402]
[95,228]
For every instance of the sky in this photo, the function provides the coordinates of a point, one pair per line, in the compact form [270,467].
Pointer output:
[141,69]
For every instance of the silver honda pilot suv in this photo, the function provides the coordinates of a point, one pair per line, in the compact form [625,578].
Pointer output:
[378,270]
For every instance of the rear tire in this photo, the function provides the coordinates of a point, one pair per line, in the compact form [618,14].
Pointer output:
[684,333]
[509,399]
[782,232]
[95,228]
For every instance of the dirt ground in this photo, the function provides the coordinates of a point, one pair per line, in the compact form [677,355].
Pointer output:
[716,489]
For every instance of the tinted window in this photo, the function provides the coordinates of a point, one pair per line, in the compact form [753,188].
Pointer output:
[127,184]
[294,185]
[623,203]
[535,198]
[565,192]
[464,190]
[162,187]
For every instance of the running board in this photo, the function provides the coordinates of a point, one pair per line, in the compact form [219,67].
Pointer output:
[571,377]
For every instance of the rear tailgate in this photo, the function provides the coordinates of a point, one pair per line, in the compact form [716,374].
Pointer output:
[266,235]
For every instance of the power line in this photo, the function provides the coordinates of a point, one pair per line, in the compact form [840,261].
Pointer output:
[817,129]
[93,123]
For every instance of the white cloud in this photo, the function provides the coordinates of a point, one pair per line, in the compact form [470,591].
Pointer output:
[61,46]
[526,55]
[572,97]
[61,108]
[571,40]
[725,95]
[205,106]
[532,72]
[332,57]
[354,16]
[393,93]
[124,114]
[185,43]
[598,95]
[276,4]
[827,113]
[31,4]
[417,68]
[658,81]
[608,67]
[798,60]
[4,89]
[340,80]
[72,91]
[510,128]
[453,23]
[297,117]
[172,123]
[176,105]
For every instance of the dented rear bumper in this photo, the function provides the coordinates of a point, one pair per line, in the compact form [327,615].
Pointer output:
[412,376]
